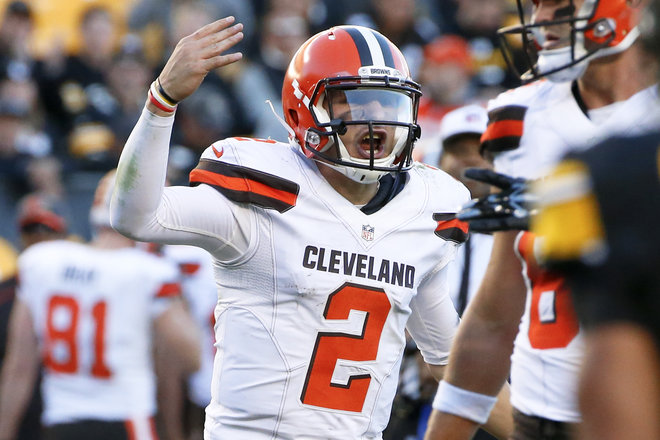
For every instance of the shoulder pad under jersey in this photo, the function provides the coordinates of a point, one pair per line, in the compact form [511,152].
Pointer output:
[448,195]
[251,171]
[448,192]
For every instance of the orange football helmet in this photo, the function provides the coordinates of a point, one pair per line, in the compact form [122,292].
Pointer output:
[360,67]
[597,28]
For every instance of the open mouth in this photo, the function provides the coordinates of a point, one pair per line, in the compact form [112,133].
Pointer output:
[552,41]
[378,141]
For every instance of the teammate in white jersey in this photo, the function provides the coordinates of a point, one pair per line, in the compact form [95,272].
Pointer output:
[598,86]
[325,249]
[598,233]
[87,312]
[37,220]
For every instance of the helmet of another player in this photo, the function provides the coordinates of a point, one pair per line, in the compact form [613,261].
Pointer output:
[37,212]
[562,36]
[350,101]
[40,218]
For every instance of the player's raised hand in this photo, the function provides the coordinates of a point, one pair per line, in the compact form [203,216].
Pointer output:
[198,54]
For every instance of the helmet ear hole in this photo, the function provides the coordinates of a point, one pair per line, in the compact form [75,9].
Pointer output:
[294,116]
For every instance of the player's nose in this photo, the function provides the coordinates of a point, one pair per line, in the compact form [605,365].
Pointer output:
[543,12]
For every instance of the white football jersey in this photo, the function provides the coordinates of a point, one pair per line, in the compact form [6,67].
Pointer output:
[314,294]
[530,129]
[481,246]
[92,310]
[310,321]
[200,292]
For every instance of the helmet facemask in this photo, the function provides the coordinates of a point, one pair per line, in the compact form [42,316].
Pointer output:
[374,118]
[589,38]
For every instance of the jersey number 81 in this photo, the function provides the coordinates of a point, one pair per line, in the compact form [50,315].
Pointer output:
[63,335]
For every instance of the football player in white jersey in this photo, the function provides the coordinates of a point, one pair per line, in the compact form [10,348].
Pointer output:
[37,220]
[91,310]
[596,85]
[325,249]
[611,261]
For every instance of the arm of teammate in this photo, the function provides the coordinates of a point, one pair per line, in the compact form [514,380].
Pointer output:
[171,395]
[619,385]
[432,326]
[499,423]
[480,355]
[141,207]
[19,371]
[176,354]
[178,334]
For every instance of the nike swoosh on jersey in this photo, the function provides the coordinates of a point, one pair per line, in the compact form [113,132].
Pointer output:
[217,153]
[450,228]
[247,185]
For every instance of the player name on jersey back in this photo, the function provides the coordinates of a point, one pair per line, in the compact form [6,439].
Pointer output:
[77,274]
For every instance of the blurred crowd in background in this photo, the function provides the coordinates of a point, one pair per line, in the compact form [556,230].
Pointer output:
[74,77]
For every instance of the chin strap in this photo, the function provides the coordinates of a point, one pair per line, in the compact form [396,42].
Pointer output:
[368,176]
[289,130]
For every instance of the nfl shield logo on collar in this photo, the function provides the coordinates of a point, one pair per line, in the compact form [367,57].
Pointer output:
[368,232]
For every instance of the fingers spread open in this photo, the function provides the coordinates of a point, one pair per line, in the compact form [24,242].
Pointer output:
[215,46]
[217,42]
[222,60]
[214,27]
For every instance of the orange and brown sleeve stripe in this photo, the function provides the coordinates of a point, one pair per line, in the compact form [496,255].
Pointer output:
[450,228]
[247,185]
[505,128]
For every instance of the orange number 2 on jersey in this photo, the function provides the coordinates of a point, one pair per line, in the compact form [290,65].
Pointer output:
[552,319]
[319,390]
[62,326]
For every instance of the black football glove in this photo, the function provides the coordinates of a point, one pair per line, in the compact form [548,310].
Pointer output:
[510,209]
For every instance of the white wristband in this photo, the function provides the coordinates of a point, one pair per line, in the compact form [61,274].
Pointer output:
[159,100]
[467,404]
